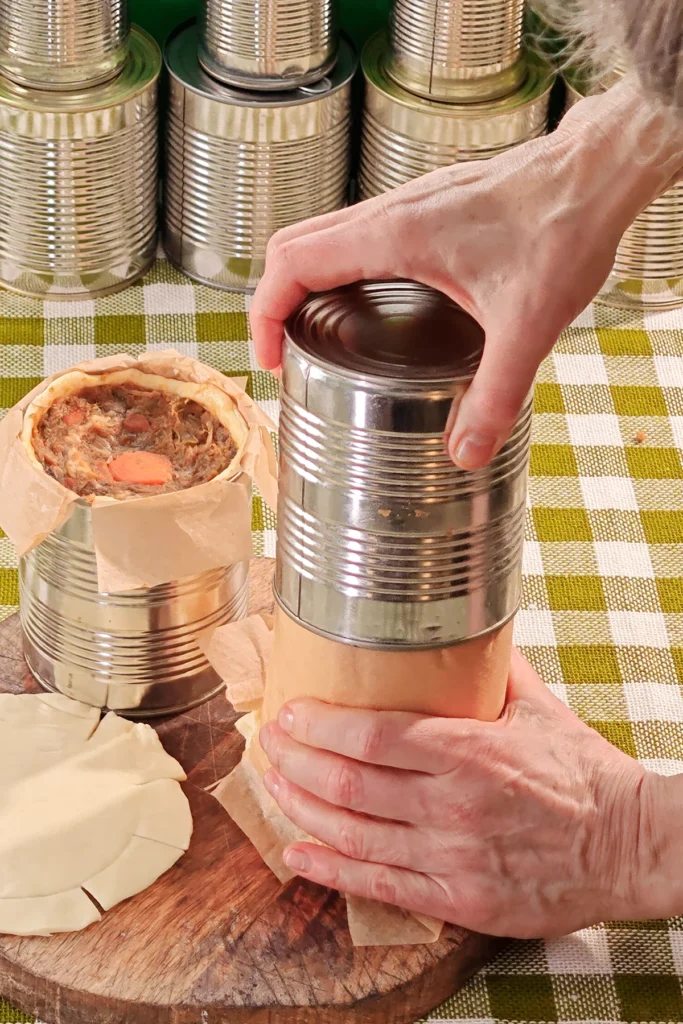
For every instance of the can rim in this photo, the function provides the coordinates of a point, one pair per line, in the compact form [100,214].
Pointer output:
[181,59]
[375,59]
[141,68]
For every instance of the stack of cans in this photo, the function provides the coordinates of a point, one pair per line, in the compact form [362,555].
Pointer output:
[78,147]
[452,81]
[648,270]
[258,132]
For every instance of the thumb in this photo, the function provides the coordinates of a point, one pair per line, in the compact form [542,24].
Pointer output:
[488,411]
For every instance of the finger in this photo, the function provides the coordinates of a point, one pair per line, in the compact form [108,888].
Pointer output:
[351,251]
[399,887]
[394,739]
[343,782]
[352,834]
[488,411]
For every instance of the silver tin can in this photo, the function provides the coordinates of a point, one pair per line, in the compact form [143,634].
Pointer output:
[458,50]
[62,44]
[78,182]
[241,165]
[382,541]
[135,653]
[648,269]
[268,44]
[405,136]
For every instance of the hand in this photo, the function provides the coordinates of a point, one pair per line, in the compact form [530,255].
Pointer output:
[523,242]
[531,826]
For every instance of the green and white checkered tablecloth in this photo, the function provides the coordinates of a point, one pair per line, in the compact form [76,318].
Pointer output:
[602,616]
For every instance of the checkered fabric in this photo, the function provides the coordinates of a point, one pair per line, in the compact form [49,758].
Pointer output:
[602,615]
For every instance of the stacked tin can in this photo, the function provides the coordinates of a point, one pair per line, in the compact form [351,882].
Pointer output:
[258,132]
[78,147]
[648,269]
[382,541]
[452,81]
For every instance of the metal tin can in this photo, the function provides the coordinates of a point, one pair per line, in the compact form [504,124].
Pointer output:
[382,541]
[78,182]
[268,44]
[648,269]
[241,165]
[458,50]
[62,44]
[136,653]
[405,136]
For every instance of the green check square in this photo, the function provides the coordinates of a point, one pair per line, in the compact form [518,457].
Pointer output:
[562,524]
[576,593]
[8,1015]
[126,329]
[662,526]
[222,326]
[548,398]
[670,592]
[632,400]
[28,330]
[589,663]
[623,342]
[521,997]
[9,587]
[553,460]
[14,388]
[654,463]
[649,997]
[677,655]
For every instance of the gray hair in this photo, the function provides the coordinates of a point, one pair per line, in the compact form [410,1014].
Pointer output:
[645,35]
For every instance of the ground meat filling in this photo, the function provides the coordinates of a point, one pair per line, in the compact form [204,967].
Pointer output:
[124,441]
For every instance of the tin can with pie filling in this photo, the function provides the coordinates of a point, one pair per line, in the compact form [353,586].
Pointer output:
[405,136]
[78,182]
[62,44]
[268,44]
[648,269]
[241,165]
[136,653]
[457,50]
[382,541]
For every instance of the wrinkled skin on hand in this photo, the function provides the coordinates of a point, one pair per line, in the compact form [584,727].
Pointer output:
[531,826]
[523,242]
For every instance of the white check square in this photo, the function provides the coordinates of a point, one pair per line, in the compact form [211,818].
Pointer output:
[609,492]
[638,629]
[677,430]
[621,558]
[600,429]
[168,298]
[669,371]
[584,952]
[580,369]
[57,358]
[532,561]
[652,702]
[79,308]
[534,629]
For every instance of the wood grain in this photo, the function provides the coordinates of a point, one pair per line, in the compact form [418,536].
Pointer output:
[217,940]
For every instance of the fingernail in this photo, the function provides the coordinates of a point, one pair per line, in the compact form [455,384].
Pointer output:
[286,719]
[265,737]
[473,451]
[272,782]
[297,860]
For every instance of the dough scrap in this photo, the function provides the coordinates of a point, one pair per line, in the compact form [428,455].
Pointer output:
[86,810]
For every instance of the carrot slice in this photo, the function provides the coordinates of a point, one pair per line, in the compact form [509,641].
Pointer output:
[136,423]
[141,468]
[74,418]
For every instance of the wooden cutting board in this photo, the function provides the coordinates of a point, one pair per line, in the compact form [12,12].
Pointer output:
[217,940]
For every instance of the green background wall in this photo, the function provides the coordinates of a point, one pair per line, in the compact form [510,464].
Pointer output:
[360,18]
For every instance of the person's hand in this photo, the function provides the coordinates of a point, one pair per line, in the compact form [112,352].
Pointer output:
[523,242]
[527,827]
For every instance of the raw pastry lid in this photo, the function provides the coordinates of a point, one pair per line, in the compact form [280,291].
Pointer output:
[143,541]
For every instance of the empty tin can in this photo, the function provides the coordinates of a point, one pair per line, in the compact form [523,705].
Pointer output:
[241,165]
[136,653]
[405,136]
[382,541]
[78,182]
[648,269]
[268,44]
[457,50]
[62,44]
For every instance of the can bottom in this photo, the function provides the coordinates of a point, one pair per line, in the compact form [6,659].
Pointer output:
[261,82]
[645,293]
[45,78]
[42,671]
[84,293]
[231,279]
[468,88]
